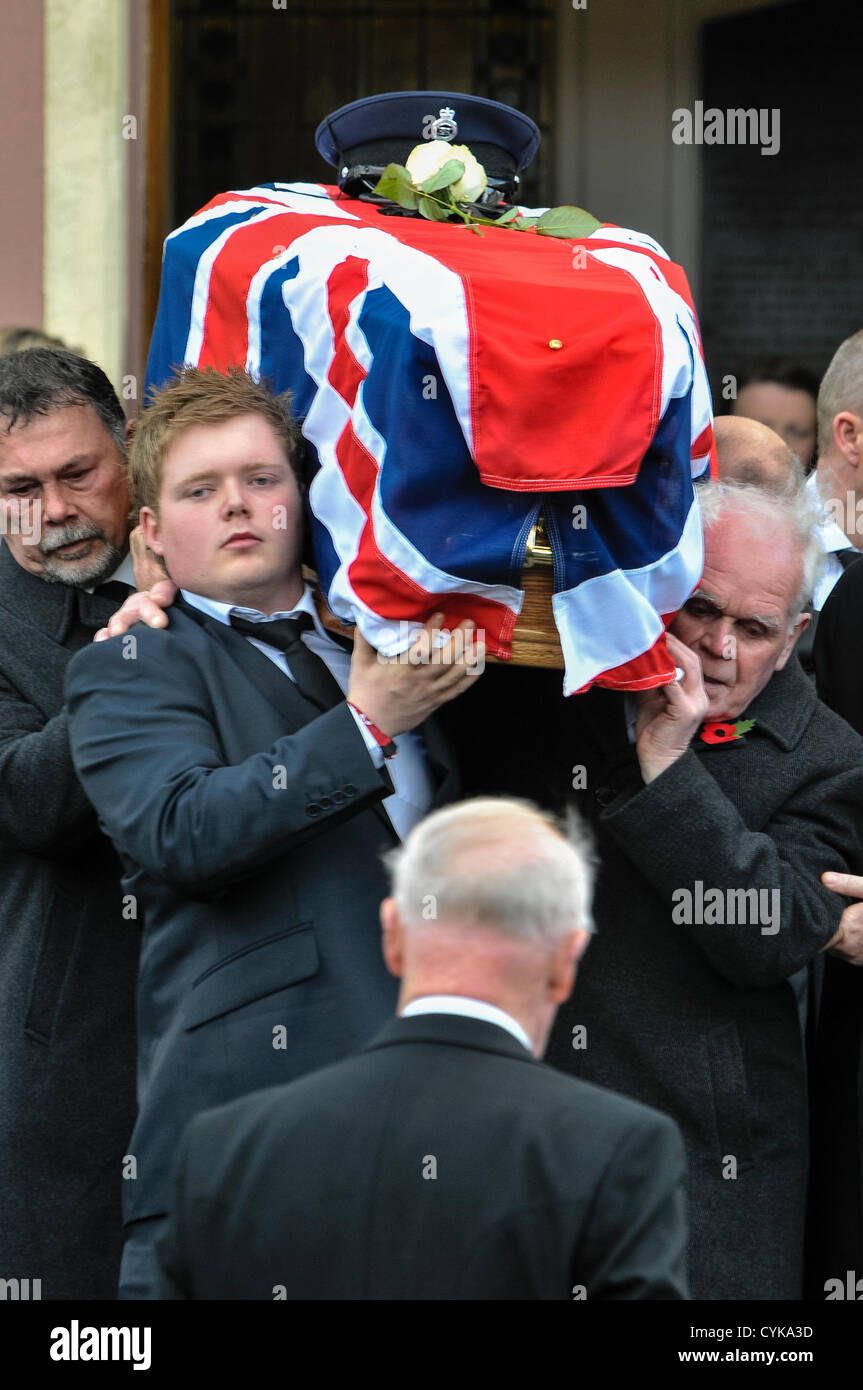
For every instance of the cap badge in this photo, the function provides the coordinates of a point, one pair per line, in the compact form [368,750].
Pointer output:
[444,126]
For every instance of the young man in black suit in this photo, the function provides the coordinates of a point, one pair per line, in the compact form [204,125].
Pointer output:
[444,1161]
[248,799]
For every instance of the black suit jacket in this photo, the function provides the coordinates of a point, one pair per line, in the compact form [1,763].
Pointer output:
[697,1019]
[836,1228]
[838,649]
[68,961]
[441,1162]
[250,829]
[806,643]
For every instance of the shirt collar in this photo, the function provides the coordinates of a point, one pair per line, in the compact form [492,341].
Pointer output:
[222,611]
[468,1008]
[832,536]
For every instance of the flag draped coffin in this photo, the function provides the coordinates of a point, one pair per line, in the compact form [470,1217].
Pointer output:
[453,385]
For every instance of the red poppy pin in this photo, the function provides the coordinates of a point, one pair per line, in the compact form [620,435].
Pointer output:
[719,731]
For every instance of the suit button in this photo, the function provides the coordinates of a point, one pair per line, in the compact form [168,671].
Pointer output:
[605,795]
[339,797]
[313,809]
[325,803]
[350,789]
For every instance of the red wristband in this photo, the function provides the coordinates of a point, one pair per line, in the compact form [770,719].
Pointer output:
[384,742]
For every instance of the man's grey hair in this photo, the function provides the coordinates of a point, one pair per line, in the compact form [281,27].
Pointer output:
[496,862]
[841,389]
[40,380]
[796,510]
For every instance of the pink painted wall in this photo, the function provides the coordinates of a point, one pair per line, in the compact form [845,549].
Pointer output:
[21,102]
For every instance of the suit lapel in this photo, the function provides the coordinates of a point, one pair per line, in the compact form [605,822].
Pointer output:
[277,688]
[46,655]
[281,692]
[50,607]
[48,615]
[94,610]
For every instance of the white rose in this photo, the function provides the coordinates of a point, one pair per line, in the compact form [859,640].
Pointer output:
[426,159]
[473,180]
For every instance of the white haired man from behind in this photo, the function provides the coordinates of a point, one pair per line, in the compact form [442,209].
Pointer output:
[444,1160]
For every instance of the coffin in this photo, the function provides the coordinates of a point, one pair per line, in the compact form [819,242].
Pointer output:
[504,427]
[535,641]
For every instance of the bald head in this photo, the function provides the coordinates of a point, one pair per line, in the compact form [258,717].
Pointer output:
[752,453]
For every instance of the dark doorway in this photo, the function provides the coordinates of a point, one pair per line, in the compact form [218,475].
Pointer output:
[783,233]
[251,80]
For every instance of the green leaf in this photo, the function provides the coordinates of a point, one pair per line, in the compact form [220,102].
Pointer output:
[395,183]
[743,726]
[508,216]
[448,173]
[567,222]
[432,210]
[523,224]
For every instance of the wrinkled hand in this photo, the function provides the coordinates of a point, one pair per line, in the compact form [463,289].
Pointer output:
[145,607]
[669,716]
[399,694]
[847,944]
[148,568]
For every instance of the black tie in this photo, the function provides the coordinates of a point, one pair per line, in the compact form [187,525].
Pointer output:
[115,589]
[310,672]
[95,609]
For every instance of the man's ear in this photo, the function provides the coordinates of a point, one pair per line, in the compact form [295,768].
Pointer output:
[130,429]
[564,962]
[848,437]
[149,523]
[392,938]
[797,631]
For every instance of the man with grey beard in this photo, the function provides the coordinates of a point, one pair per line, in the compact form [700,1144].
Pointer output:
[68,940]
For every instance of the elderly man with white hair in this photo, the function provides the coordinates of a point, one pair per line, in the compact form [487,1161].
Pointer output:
[718,802]
[444,1161]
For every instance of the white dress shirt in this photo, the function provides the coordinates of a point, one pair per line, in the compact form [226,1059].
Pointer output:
[832,538]
[468,1008]
[409,769]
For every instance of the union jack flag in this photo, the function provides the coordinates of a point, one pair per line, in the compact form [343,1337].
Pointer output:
[452,386]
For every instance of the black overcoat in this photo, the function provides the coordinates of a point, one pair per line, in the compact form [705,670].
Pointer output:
[68,961]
